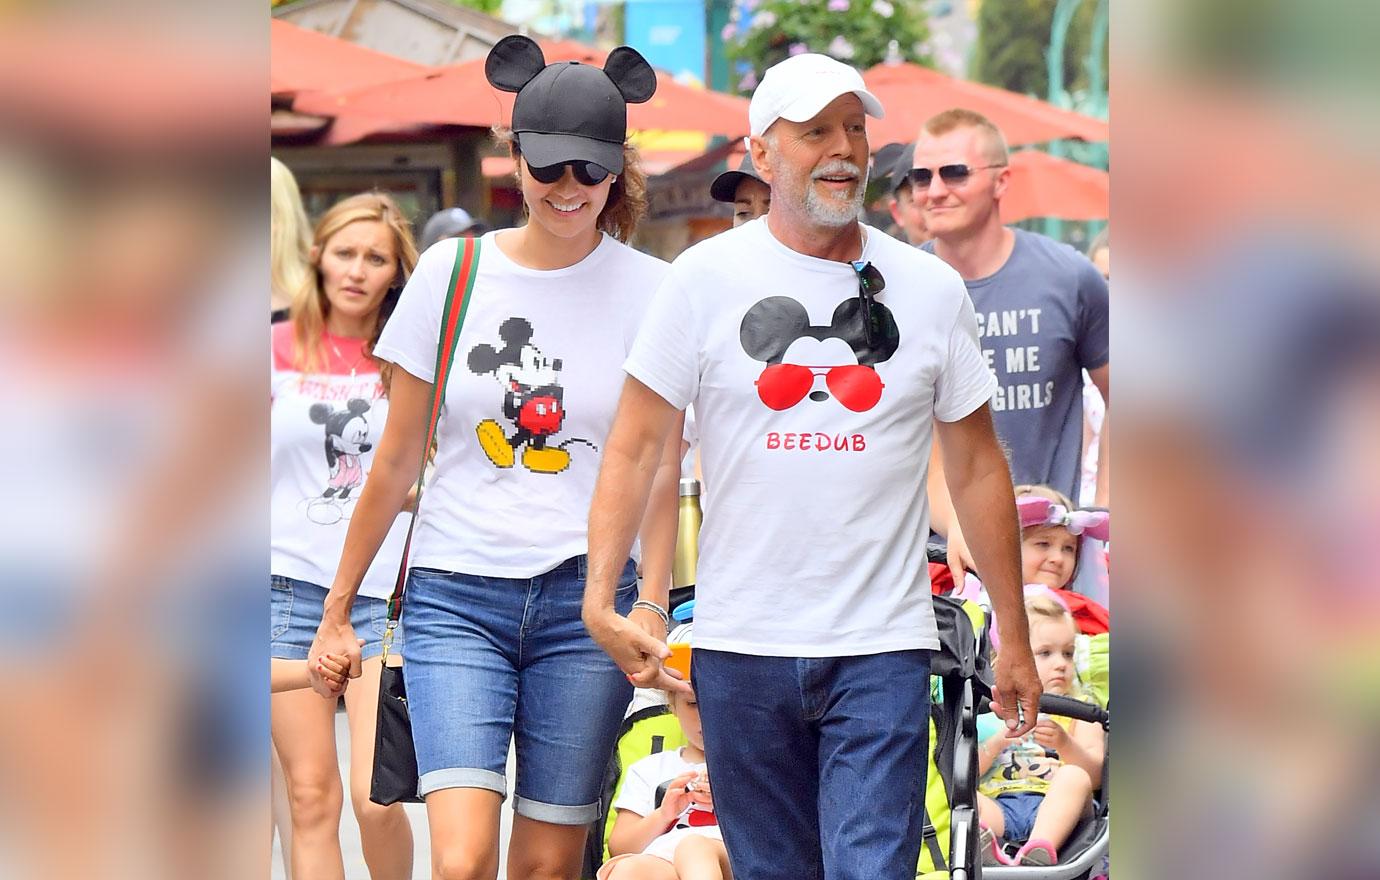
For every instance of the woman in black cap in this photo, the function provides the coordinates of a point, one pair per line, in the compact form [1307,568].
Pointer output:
[496,649]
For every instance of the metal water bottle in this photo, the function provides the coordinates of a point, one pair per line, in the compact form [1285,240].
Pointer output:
[688,535]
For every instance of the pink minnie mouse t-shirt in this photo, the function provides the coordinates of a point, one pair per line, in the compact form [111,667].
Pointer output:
[325,427]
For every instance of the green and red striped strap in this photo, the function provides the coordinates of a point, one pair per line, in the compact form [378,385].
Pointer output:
[452,319]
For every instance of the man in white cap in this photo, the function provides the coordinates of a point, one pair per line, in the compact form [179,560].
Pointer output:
[818,353]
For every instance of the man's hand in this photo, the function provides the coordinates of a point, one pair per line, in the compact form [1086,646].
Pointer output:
[1017,684]
[333,637]
[633,644]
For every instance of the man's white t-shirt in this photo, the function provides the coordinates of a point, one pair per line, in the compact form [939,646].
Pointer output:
[815,441]
[530,400]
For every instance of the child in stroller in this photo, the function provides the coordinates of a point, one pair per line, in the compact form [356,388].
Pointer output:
[1036,789]
[665,827]
[1058,550]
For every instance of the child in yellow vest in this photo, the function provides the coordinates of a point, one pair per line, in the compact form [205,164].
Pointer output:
[665,827]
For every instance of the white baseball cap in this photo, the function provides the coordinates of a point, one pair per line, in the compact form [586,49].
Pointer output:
[802,85]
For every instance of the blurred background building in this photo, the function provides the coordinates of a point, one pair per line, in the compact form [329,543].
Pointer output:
[376,93]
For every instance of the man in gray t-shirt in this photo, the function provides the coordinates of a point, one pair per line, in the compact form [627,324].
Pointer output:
[1041,310]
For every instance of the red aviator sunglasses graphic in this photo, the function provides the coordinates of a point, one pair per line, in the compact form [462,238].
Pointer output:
[856,386]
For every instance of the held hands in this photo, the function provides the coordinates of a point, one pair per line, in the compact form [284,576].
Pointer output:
[637,643]
[336,640]
[334,669]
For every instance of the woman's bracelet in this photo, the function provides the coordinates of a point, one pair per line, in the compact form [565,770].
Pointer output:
[655,609]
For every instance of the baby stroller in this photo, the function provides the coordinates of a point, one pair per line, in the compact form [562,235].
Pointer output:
[956,755]
[1081,856]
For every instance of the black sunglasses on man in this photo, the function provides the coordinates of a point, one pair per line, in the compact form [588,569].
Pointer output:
[952,175]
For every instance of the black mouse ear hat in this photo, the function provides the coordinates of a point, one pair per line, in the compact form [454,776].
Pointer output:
[567,111]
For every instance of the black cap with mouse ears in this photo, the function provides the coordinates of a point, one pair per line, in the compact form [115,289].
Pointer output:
[567,111]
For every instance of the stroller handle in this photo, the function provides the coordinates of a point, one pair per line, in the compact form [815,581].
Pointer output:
[1054,704]
[1067,707]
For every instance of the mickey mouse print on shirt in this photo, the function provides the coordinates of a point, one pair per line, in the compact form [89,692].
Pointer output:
[803,360]
[347,438]
[533,401]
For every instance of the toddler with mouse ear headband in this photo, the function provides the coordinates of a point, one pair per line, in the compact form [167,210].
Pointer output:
[1061,549]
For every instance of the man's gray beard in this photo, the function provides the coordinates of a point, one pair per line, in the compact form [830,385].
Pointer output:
[830,212]
[821,209]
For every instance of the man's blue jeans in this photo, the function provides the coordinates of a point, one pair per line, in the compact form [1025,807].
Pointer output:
[817,765]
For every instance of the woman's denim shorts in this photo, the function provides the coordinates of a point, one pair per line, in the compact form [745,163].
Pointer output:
[296,612]
[493,659]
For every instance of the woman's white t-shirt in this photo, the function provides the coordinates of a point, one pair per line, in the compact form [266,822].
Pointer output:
[531,396]
[325,427]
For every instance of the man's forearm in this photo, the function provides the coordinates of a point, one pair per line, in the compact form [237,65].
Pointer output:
[632,453]
[986,505]
[660,521]
[620,499]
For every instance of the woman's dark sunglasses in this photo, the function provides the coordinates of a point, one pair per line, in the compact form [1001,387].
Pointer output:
[870,283]
[950,174]
[587,173]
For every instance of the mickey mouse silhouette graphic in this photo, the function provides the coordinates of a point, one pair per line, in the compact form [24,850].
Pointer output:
[347,438]
[533,400]
[798,354]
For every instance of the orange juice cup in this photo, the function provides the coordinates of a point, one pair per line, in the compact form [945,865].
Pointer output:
[679,659]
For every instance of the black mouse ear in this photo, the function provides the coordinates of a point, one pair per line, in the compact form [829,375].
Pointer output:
[632,74]
[512,62]
[848,326]
[515,331]
[769,328]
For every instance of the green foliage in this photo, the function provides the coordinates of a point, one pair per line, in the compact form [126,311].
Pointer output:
[491,7]
[1012,38]
[858,32]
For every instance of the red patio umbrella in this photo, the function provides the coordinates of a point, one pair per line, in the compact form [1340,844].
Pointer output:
[911,94]
[1047,186]
[459,94]
[302,60]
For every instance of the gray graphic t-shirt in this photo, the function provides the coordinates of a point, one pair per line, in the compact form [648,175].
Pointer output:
[1042,320]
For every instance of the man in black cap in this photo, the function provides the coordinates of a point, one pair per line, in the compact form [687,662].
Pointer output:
[908,213]
[744,190]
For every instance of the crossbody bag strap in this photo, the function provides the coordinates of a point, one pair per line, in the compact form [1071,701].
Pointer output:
[452,319]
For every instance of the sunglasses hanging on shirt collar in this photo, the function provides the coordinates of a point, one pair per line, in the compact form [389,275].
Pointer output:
[870,283]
